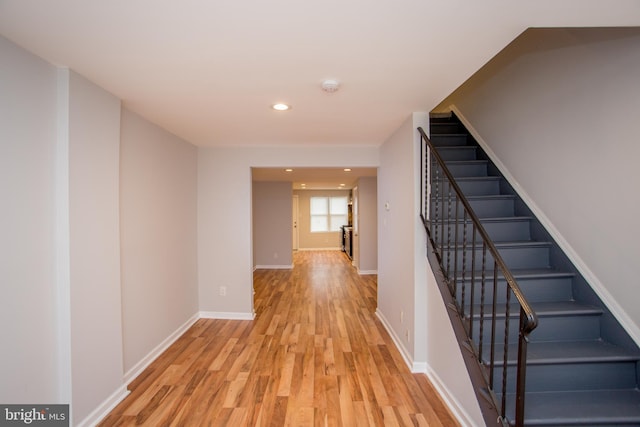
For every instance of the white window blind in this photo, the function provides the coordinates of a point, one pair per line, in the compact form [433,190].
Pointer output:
[328,213]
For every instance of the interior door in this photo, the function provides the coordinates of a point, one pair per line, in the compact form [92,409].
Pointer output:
[356,230]
[294,223]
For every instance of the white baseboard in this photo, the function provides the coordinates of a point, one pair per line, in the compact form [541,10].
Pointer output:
[423,368]
[599,288]
[320,249]
[104,408]
[273,267]
[226,315]
[406,355]
[137,369]
[449,398]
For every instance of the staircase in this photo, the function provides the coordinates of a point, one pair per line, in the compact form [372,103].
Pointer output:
[581,366]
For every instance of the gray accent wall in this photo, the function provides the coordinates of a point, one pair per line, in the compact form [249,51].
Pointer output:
[272,224]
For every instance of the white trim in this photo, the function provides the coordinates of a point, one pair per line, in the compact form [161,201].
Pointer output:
[137,369]
[404,352]
[273,267]
[226,315]
[366,272]
[321,249]
[598,287]
[105,407]
[423,368]
[449,398]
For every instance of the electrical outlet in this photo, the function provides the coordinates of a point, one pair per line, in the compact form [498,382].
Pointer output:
[401,316]
[223,291]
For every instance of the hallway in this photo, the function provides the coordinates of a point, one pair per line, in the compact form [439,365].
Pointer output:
[315,355]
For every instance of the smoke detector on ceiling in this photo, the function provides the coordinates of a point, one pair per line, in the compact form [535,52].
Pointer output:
[330,85]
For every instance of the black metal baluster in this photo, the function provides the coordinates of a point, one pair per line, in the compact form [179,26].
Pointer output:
[522,368]
[464,267]
[473,271]
[494,322]
[506,348]
[455,254]
[443,219]
[483,291]
[436,213]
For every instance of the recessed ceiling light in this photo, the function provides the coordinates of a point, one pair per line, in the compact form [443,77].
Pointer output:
[342,185]
[281,107]
[288,170]
[303,185]
[347,170]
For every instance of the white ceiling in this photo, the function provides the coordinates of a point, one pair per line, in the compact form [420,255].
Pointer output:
[208,70]
[314,178]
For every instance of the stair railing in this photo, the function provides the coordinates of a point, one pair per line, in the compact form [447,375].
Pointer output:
[471,264]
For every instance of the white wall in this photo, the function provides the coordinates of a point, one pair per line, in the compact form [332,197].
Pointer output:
[158,208]
[405,282]
[272,224]
[29,369]
[94,218]
[559,109]
[368,225]
[396,235]
[225,255]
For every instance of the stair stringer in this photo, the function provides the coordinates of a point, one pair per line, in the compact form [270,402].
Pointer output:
[611,304]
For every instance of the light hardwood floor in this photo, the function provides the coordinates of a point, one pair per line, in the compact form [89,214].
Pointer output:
[315,355]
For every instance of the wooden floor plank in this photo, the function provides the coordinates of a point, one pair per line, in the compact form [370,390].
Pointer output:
[315,355]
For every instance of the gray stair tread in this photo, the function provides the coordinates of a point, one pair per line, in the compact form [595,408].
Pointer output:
[488,219]
[577,352]
[491,197]
[455,147]
[505,245]
[565,352]
[529,273]
[479,178]
[465,162]
[545,309]
[581,408]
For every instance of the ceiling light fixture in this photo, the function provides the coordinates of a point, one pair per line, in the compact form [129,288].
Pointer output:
[281,107]
[330,85]
[288,170]
[346,170]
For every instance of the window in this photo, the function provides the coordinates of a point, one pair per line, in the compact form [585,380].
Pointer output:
[328,213]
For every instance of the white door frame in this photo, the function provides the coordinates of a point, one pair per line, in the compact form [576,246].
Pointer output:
[295,214]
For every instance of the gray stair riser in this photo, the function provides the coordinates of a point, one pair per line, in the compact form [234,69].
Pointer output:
[573,376]
[483,208]
[518,257]
[503,231]
[444,128]
[601,408]
[449,140]
[550,328]
[479,187]
[536,290]
[468,169]
[457,153]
